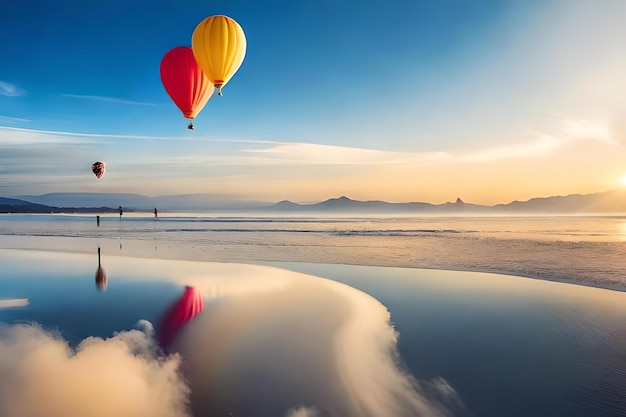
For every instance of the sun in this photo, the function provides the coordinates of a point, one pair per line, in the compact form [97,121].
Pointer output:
[622,180]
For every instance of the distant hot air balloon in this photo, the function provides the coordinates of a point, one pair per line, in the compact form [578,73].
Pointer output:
[98,168]
[185,82]
[185,309]
[219,45]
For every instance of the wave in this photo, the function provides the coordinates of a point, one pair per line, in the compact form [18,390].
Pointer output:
[414,232]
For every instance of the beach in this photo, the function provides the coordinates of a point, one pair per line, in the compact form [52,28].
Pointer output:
[311,317]
[313,209]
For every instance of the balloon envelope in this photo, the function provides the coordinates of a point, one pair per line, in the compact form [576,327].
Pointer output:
[99,168]
[184,81]
[189,305]
[219,45]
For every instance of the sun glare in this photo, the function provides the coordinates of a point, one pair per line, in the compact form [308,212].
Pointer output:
[622,180]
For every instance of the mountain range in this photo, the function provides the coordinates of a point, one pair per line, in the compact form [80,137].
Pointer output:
[604,202]
[14,205]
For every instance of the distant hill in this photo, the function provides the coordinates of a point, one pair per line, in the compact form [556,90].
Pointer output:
[345,204]
[15,202]
[91,200]
[141,202]
[606,202]
[14,205]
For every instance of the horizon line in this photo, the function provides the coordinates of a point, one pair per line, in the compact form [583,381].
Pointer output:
[235,199]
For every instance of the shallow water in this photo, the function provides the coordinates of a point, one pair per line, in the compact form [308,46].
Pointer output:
[270,341]
[508,345]
[588,250]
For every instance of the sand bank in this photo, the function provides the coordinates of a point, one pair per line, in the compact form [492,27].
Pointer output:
[509,259]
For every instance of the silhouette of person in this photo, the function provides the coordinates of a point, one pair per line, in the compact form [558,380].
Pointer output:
[98,221]
[121,212]
[156,213]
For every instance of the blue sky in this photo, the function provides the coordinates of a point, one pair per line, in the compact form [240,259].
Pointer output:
[396,100]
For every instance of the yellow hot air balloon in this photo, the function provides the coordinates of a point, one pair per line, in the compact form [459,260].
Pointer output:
[219,46]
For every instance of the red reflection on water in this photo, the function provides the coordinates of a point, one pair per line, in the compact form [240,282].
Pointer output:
[180,313]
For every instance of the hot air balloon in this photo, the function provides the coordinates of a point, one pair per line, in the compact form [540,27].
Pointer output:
[219,45]
[185,309]
[98,168]
[185,82]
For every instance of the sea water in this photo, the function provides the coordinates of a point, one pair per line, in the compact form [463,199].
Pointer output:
[588,250]
[509,346]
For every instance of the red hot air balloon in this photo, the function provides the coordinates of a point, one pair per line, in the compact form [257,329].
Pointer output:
[185,309]
[98,168]
[185,82]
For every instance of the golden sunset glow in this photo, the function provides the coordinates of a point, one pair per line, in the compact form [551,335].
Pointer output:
[485,118]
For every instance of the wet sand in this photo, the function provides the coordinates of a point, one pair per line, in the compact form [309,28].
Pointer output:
[512,257]
[280,343]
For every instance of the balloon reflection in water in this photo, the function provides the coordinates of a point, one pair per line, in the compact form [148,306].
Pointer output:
[101,276]
[185,309]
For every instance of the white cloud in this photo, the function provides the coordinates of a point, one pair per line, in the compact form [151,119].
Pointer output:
[16,136]
[271,153]
[109,99]
[11,90]
[543,145]
[13,119]
[63,156]
[9,130]
[302,412]
[302,154]
[316,154]
[585,130]
[567,132]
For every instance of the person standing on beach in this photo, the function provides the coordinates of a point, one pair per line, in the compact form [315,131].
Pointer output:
[98,220]
[121,212]
[156,214]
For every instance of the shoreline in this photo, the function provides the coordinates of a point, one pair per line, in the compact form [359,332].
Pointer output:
[367,256]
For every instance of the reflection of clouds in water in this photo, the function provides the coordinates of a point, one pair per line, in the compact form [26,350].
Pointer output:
[13,302]
[366,359]
[302,412]
[119,376]
[269,343]
[222,280]
[309,341]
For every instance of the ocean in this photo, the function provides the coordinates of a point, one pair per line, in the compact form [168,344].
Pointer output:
[588,250]
[306,317]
